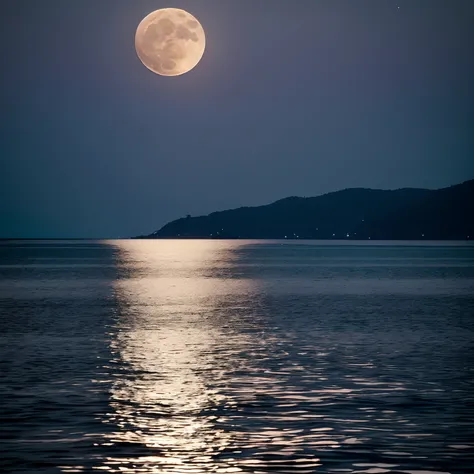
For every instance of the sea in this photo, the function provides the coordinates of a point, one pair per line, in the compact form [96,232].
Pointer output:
[209,356]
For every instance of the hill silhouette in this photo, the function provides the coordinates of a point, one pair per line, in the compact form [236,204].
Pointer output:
[357,213]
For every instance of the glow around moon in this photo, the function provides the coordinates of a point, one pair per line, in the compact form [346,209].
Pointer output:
[170,41]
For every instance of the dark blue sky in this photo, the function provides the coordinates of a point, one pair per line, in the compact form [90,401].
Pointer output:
[291,98]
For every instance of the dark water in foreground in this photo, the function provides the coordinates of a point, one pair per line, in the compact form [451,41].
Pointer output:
[208,356]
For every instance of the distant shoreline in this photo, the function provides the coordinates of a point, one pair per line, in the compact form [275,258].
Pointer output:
[336,241]
[350,214]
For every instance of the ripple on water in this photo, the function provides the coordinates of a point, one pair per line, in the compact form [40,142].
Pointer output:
[189,360]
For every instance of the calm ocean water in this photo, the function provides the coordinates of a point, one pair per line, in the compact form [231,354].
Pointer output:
[236,356]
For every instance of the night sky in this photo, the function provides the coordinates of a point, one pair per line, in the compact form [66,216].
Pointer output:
[292,97]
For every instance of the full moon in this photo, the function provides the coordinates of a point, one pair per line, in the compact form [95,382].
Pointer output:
[170,41]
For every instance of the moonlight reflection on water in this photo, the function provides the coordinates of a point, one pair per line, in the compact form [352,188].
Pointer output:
[167,397]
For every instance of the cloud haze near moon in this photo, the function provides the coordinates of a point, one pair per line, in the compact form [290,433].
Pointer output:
[170,41]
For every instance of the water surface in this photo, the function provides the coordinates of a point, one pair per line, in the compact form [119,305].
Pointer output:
[236,356]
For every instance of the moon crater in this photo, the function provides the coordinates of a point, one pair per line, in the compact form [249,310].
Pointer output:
[170,41]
